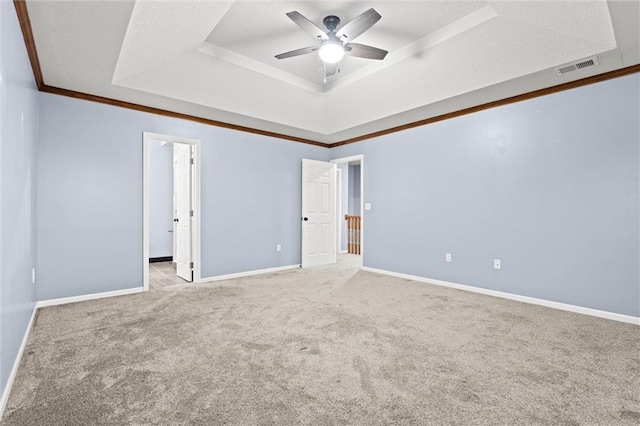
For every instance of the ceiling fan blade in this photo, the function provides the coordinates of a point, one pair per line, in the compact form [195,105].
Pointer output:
[358,25]
[297,52]
[307,25]
[363,51]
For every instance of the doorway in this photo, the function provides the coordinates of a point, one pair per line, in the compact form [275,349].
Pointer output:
[330,199]
[350,226]
[171,209]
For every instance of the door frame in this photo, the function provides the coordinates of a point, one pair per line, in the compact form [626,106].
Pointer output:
[360,159]
[195,230]
[338,211]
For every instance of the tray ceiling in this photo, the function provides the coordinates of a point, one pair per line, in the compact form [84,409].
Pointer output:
[215,59]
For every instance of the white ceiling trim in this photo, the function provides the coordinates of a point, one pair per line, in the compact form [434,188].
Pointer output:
[441,35]
[227,55]
[433,39]
[158,34]
[590,22]
[203,80]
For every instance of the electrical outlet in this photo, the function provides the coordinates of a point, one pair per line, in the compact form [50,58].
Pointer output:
[447,257]
[33,275]
[497,264]
[278,247]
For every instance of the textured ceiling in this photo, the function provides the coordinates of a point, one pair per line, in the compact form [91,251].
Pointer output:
[215,59]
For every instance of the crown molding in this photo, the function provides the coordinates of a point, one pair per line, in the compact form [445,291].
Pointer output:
[506,101]
[27,34]
[137,107]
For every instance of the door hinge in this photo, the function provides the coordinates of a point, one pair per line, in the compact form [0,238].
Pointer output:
[191,265]
[191,213]
[192,161]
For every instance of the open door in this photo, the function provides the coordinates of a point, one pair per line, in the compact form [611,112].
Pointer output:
[318,213]
[183,164]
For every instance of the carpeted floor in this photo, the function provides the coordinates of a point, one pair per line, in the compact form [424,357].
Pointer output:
[328,345]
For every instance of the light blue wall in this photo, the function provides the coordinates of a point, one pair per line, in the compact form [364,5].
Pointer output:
[550,186]
[90,196]
[354,189]
[160,199]
[19,125]
[253,201]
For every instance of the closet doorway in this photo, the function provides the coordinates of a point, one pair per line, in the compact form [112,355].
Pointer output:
[171,209]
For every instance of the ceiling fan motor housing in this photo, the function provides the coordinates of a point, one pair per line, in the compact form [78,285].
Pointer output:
[331,22]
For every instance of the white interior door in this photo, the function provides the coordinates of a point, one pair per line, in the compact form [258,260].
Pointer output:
[318,213]
[175,204]
[184,210]
[339,218]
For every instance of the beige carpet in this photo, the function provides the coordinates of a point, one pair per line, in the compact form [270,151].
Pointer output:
[323,346]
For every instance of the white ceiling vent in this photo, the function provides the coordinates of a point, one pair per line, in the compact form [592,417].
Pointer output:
[585,63]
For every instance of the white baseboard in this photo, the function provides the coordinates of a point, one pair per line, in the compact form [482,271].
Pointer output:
[16,364]
[248,273]
[532,300]
[73,299]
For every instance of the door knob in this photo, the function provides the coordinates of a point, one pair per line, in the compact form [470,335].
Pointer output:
[305,219]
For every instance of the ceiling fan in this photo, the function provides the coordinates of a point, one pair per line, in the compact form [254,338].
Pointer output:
[337,44]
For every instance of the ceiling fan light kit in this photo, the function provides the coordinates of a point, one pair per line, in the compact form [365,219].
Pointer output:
[331,52]
[335,45]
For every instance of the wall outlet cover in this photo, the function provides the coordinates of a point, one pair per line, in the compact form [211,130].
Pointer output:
[497,264]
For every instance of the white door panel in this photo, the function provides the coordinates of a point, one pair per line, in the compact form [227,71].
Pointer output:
[175,204]
[318,213]
[183,198]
